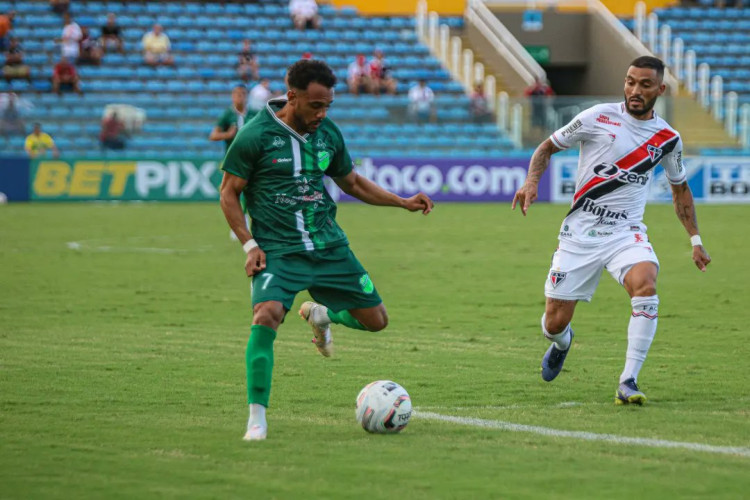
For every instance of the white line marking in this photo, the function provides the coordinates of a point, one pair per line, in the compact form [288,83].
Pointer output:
[585,436]
[78,246]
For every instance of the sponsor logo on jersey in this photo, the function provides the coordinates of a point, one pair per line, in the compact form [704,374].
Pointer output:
[654,152]
[281,160]
[603,213]
[366,284]
[638,238]
[572,128]
[612,136]
[557,277]
[612,171]
[607,121]
[638,161]
[324,160]
[278,142]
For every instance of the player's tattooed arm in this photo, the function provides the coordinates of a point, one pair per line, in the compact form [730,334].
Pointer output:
[527,194]
[684,207]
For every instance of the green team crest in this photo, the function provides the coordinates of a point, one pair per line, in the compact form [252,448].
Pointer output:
[324,160]
[366,283]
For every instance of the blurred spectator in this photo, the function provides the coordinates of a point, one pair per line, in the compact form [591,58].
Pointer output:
[539,94]
[156,47]
[91,50]
[358,75]
[259,95]
[60,6]
[71,38]
[380,75]
[247,67]
[232,119]
[112,34]
[304,14]
[6,24]
[65,77]
[479,108]
[10,116]
[421,102]
[113,133]
[38,143]
[14,66]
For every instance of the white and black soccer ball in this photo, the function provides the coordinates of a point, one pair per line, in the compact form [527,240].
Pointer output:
[383,407]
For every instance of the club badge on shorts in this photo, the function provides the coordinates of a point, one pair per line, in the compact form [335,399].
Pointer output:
[557,277]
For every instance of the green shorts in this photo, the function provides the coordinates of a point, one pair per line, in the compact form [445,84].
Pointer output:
[334,278]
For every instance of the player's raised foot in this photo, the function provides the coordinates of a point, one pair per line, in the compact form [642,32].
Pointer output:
[553,360]
[256,433]
[317,317]
[628,393]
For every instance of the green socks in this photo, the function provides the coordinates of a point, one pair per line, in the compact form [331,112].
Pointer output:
[346,319]
[259,358]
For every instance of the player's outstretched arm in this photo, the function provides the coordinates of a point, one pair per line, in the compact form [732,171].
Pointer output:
[685,209]
[219,135]
[527,194]
[231,188]
[364,189]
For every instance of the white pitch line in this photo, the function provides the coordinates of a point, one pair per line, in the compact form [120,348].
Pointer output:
[585,436]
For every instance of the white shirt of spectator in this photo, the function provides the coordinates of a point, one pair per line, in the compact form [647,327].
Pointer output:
[357,71]
[303,8]
[71,35]
[421,97]
[259,96]
[156,44]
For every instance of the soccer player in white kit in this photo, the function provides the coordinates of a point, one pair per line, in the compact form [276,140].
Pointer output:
[620,144]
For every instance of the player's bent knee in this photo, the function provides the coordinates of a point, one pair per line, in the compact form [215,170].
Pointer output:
[268,314]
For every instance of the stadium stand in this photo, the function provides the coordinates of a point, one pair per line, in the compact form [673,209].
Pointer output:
[719,38]
[183,102]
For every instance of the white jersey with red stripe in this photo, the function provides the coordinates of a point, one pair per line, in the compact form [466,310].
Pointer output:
[617,155]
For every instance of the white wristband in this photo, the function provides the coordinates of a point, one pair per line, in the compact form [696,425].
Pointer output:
[696,241]
[249,245]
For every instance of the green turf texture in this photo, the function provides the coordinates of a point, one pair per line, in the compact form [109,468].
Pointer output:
[122,362]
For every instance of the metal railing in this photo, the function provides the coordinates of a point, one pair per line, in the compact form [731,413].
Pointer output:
[697,81]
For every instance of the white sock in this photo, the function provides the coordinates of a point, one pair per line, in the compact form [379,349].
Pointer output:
[561,340]
[641,331]
[257,416]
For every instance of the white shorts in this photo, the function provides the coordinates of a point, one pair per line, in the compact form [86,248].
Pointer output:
[575,270]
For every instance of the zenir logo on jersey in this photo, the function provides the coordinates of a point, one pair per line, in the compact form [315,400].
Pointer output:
[654,152]
[557,277]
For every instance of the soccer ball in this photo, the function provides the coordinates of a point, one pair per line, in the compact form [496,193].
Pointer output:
[383,407]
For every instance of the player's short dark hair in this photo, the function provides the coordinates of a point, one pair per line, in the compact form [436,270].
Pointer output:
[240,86]
[305,71]
[649,62]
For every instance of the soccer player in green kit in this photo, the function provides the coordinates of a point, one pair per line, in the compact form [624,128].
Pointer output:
[229,123]
[279,161]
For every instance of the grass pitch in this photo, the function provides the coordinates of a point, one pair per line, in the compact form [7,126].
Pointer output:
[123,329]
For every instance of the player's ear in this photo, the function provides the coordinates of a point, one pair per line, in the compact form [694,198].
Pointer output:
[662,88]
[291,95]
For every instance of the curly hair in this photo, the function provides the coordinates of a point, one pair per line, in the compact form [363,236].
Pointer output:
[306,71]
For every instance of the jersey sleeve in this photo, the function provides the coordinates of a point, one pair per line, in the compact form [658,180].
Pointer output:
[243,155]
[341,164]
[222,122]
[673,167]
[579,129]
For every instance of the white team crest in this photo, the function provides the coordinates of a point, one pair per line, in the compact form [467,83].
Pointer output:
[654,152]
[278,142]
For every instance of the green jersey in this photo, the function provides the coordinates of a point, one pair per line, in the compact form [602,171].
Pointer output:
[230,117]
[290,208]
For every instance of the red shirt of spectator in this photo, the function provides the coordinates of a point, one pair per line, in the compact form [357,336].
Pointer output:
[65,71]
